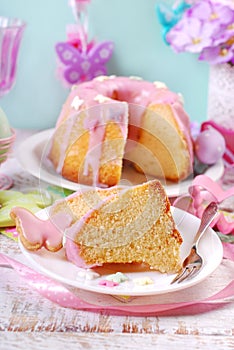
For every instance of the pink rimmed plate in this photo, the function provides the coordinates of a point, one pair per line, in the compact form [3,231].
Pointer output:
[57,267]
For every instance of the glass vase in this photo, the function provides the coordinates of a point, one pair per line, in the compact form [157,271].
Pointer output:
[11,31]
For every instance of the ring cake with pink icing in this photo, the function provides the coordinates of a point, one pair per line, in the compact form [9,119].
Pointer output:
[112,225]
[109,119]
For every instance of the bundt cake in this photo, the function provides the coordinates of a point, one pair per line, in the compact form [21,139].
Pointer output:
[109,119]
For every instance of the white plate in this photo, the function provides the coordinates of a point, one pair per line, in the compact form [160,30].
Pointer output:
[57,267]
[31,156]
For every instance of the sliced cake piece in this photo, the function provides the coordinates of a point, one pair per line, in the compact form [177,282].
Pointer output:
[130,226]
[115,225]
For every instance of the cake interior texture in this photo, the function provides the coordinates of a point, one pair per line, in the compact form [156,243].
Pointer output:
[134,225]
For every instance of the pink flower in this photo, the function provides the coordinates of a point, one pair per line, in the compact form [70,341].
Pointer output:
[217,55]
[229,3]
[191,35]
[207,27]
[211,11]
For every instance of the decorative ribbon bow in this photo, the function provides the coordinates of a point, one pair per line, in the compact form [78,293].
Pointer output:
[202,191]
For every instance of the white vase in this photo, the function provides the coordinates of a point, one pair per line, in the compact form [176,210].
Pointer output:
[221,95]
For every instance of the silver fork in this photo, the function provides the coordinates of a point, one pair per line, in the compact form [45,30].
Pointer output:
[193,262]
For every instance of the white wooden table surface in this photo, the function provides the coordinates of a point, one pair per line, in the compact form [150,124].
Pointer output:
[30,321]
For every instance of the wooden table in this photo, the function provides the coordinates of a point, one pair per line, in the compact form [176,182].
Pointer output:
[30,321]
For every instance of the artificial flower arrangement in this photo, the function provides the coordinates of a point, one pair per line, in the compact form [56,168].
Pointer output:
[204,27]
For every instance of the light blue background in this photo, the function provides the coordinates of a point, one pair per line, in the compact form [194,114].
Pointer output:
[38,95]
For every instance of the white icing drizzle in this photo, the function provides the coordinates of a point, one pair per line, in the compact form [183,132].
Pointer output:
[160,85]
[181,98]
[88,274]
[133,77]
[101,78]
[74,87]
[101,98]
[69,124]
[97,132]
[76,103]
[96,124]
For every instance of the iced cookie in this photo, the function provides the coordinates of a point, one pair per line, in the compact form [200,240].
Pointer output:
[36,233]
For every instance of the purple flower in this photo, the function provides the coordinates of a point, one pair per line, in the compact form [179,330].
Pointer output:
[211,11]
[192,35]
[217,55]
[229,3]
[207,27]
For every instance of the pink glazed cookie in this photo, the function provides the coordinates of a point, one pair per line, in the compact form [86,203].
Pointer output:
[36,233]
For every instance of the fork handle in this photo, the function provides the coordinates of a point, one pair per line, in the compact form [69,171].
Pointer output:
[207,216]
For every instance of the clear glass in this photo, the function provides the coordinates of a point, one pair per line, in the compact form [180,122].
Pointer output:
[11,32]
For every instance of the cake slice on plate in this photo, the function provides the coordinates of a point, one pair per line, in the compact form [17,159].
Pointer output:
[133,225]
[115,225]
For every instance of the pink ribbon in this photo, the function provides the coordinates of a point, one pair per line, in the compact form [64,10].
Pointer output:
[202,191]
[59,294]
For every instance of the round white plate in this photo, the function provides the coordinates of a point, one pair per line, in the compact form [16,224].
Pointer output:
[31,156]
[57,267]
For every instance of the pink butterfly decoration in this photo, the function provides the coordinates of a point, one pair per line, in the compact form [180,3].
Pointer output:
[78,66]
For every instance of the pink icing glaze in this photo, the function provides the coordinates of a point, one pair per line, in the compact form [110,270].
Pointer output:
[136,95]
[73,254]
[97,132]
[96,124]
[72,249]
[48,233]
[132,91]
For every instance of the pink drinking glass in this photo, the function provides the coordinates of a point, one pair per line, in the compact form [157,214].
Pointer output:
[11,32]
